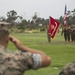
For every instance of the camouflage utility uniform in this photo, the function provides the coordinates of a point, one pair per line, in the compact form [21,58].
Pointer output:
[73,34]
[17,63]
[68,69]
[66,34]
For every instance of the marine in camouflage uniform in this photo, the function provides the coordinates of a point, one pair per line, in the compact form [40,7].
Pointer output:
[16,63]
[72,35]
[69,69]
[67,33]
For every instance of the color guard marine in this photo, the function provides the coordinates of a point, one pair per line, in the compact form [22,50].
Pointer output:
[73,33]
[66,31]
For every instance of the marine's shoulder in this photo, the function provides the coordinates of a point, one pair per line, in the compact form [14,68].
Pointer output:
[68,69]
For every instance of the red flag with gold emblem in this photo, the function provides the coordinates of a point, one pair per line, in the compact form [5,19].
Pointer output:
[53,26]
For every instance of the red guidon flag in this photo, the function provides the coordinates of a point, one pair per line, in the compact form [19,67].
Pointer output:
[53,26]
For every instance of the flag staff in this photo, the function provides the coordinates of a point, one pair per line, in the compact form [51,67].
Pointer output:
[65,16]
[48,34]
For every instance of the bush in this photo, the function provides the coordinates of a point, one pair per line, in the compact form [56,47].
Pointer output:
[35,31]
[42,29]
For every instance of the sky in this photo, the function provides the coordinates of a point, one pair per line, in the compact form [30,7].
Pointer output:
[44,8]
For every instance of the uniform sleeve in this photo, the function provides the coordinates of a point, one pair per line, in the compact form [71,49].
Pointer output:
[24,60]
[21,61]
[29,60]
[15,63]
[37,61]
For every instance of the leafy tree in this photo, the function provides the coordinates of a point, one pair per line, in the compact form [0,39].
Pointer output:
[34,18]
[61,20]
[23,24]
[11,16]
[2,19]
[71,17]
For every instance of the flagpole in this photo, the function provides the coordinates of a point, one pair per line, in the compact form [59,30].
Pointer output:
[48,34]
[65,16]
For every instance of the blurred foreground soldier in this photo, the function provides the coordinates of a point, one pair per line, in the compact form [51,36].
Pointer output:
[66,32]
[69,69]
[16,63]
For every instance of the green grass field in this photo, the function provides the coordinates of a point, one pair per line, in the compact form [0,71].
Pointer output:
[60,51]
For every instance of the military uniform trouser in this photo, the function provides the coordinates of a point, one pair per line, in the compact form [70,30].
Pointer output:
[72,37]
[67,37]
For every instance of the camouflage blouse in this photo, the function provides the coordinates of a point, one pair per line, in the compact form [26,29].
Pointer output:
[15,63]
